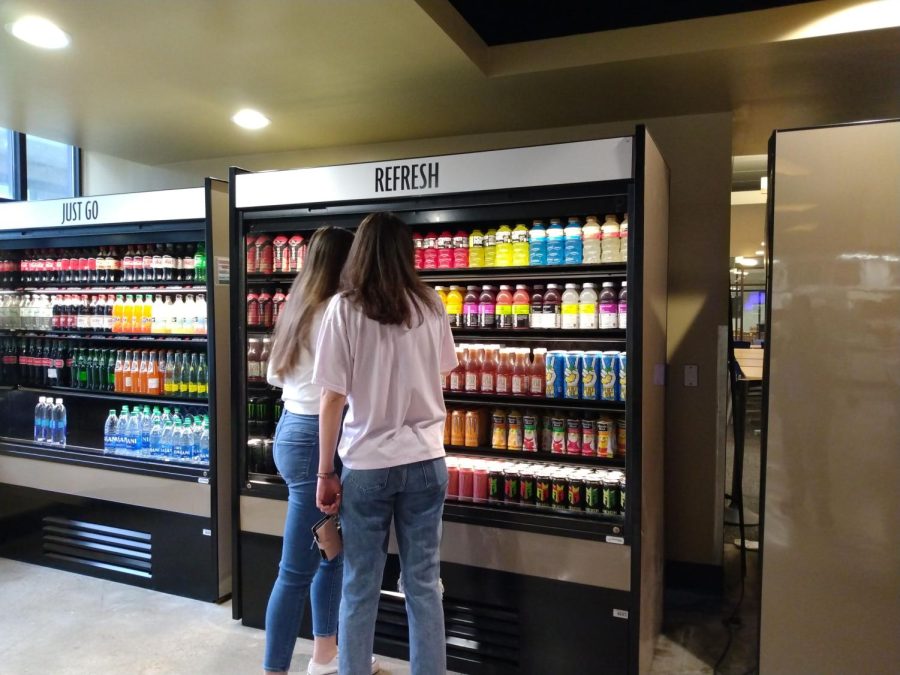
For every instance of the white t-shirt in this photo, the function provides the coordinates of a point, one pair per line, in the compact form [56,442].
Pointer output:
[391,376]
[299,394]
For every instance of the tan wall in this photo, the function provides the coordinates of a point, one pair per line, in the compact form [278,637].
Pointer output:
[748,229]
[698,151]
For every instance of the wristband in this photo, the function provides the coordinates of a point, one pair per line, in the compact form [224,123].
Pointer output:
[326,474]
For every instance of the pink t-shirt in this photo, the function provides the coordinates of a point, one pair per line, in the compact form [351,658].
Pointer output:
[391,376]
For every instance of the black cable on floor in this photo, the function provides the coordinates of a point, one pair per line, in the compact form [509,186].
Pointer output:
[732,619]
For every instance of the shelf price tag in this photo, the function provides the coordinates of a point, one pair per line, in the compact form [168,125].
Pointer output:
[203,481]
[620,613]
[615,540]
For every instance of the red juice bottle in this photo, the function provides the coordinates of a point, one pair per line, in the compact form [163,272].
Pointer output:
[505,371]
[488,382]
[521,373]
[418,251]
[458,374]
[537,380]
[460,249]
[470,307]
[487,305]
[474,358]
[445,250]
[503,309]
[429,252]
[521,307]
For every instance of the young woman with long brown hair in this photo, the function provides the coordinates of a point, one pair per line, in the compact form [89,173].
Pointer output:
[296,456]
[384,343]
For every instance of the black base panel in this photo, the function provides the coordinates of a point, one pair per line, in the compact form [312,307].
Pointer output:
[149,548]
[498,623]
[695,577]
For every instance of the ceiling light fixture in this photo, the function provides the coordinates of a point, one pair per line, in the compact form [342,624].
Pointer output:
[250,119]
[749,262]
[760,253]
[40,32]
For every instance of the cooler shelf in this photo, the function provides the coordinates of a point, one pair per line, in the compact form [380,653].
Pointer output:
[545,457]
[114,287]
[593,335]
[463,398]
[115,396]
[498,275]
[140,339]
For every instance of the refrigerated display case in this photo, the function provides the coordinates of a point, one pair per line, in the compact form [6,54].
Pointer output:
[113,308]
[552,544]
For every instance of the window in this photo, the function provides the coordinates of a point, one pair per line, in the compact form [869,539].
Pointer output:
[37,168]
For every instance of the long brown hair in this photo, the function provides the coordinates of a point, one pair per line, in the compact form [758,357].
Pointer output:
[314,285]
[380,278]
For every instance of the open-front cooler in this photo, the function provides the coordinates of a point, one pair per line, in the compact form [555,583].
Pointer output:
[552,541]
[114,456]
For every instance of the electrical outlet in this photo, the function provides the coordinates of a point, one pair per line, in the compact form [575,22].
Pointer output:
[691,376]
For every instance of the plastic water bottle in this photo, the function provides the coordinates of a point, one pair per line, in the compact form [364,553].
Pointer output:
[176,416]
[167,440]
[109,433]
[155,442]
[122,432]
[58,424]
[165,417]
[146,426]
[574,245]
[133,433]
[40,420]
[537,251]
[178,442]
[556,247]
[187,431]
[203,445]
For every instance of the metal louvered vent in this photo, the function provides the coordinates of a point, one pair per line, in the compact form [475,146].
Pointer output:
[485,636]
[101,546]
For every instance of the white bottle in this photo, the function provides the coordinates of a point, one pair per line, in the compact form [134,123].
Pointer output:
[200,323]
[609,306]
[177,317]
[592,246]
[623,239]
[570,300]
[610,240]
[587,306]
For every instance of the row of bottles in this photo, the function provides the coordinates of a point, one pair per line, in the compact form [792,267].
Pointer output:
[106,264]
[281,254]
[58,363]
[151,314]
[164,436]
[539,307]
[50,422]
[589,243]
[264,308]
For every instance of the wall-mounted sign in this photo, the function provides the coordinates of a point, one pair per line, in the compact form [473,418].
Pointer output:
[563,163]
[135,207]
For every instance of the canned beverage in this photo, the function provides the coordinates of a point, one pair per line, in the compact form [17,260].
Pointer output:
[526,486]
[588,437]
[511,485]
[621,437]
[466,482]
[542,488]
[593,493]
[255,455]
[572,373]
[606,444]
[457,427]
[575,491]
[555,373]
[480,486]
[609,379]
[453,479]
[447,424]
[473,429]
[268,449]
[495,485]
[573,436]
[498,429]
[622,493]
[610,495]
[623,378]
[590,366]
[530,433]
[559,488]
[558,435]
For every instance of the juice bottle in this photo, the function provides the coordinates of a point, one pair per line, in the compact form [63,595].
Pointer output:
[153,378]
[127,379]
[442,294]
[521,375]
[474,356]
[611,249]
[574,245]
[514,431]
[537,249]
[592,242]
[476,248]
[609,306]
[504,371]
[490,248]
[458,374]
[178,313]
[470,307]
[499,429]
[489,369]
[460,249]
[587,306]
[504,246]
[119,382]
[143,373]
[552,307]
[184,382]
[455,306]
[429,252]
[444,245]
[623,306]
[128,315]
[503,308]
[169,386]
[556,243]
[623,239]
[537,307]
[147,314]
[521,307]
[118,315]
[135,371]
[538,376]
[486,307]
[569,314]
[418,253]
[520,248]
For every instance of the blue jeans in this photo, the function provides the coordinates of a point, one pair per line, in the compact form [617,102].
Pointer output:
[297,458]
[413,496]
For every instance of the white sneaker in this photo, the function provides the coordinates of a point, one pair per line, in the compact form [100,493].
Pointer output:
[331,667]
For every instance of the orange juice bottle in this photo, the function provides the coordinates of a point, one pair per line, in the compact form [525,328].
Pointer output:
[135,371]
[147,314]
[153,376]
[143,374]
[118,315]
[128,315]
[127,379]
[119,372]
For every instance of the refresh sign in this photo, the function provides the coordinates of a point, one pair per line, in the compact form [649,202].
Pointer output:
[405,177]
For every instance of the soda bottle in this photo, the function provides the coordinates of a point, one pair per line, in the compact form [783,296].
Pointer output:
[83,369]
[110,368]
[143,373]
[504,246]
[72,367]
[58,424]
[520,248]
[110,443]
[169,387]
[128,315]
[147,314]
[176,374]
[136,371]
[537,249]
[202,378]
[476,248]
[118,315]
[193,386]
[184,382]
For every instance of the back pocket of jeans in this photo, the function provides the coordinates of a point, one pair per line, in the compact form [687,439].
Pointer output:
[366,480]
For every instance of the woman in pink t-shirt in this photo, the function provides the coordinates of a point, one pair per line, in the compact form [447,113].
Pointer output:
[383,347]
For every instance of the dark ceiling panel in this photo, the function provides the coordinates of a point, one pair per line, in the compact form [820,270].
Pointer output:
[500,22]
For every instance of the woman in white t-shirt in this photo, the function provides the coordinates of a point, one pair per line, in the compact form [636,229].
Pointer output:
[297,456]
[383,346]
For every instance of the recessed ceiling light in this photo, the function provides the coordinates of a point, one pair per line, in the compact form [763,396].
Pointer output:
[40,32]
[749,262]
[760,253]
[250,119]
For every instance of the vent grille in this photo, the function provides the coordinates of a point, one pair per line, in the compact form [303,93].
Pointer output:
[483,635]
[100,546]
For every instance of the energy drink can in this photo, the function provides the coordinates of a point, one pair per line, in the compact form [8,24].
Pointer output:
[558,434]
[542,488]
[526,486]
[575,491]
[593,493]
[495,485]
[573,436]
[558,490]
[623,378]
[572,374]
[590,367]
[611,494]
[511,485]
[622,493]
[555,380]
[588,437]
[609,363]
[457,427]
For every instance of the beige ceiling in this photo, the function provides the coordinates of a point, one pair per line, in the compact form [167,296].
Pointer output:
[156,81]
